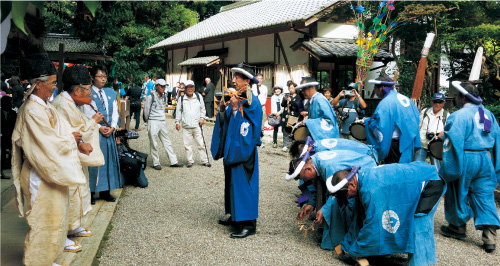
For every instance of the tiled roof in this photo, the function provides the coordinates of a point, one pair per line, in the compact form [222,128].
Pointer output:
[257,16]
[335,48]
[71,45]
[199,61]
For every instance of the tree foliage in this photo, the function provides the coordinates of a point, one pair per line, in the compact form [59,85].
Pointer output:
[127,29]
[460,27]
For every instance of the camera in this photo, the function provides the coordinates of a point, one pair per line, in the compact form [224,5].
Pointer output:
[127,134]
[344,116]
[430,135]
[349,92]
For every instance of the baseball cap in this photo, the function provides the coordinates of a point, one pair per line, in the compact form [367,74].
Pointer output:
[161,82]
[188,83]
[438,97]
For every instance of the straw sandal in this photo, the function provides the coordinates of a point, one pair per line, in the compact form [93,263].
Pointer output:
[70,248]
[83,233]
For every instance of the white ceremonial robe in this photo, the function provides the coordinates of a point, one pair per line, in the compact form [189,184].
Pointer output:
[44,164]
[80,195]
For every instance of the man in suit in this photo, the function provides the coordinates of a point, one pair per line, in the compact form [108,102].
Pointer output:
[208,97]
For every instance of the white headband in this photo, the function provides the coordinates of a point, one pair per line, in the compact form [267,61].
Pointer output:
[309,84]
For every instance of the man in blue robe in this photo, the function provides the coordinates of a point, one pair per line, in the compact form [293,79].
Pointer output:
[316,170]
[471,166]
[235,139]
[104,178]
[393,128]
[321,121]
[393,210]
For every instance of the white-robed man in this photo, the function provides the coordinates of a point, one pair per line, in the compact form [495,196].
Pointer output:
[44,164]
[190,114]
[76,90]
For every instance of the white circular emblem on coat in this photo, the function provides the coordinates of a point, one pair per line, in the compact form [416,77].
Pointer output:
[447,145]
[327,155]
[244,129]
[325,125]
[329,143]
[403,100]
[390,221]
[478,122]
[378,135]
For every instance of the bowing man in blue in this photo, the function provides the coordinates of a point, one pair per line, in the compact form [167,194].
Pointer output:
[393,128]
[471,166]
[104,178]
[321,121]
[393,211]
[235,139]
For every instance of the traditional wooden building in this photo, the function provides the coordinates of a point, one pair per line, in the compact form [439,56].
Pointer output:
[283,40]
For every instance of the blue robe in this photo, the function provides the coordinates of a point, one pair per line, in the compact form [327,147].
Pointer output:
[389,195]
[109,174]
[472,174]
[235,138]
[345,144]
[326,164]
[394,109]
[322,122]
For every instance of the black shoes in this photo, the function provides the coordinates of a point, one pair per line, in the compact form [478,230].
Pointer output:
[106,196]
[489,247]
[92,200]
[244,232]
[157,167]
[189,165]
[207,164]
[226,222]
[447,232]
[176,165]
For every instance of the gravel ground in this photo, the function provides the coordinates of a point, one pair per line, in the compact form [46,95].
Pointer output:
[174,220]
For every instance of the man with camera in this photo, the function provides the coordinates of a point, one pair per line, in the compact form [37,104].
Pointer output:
[350,106]
[432,121]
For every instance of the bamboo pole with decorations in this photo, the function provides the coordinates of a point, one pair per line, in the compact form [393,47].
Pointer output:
[370,39]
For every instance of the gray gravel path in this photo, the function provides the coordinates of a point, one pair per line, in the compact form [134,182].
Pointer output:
[174,220]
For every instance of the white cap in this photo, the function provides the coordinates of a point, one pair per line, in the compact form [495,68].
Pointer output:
[188,83]
[161,82]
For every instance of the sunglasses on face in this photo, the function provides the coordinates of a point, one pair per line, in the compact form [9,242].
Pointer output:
[437,101]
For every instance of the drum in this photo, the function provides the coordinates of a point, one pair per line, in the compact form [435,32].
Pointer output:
[357,130]
[435,148]
[300,132]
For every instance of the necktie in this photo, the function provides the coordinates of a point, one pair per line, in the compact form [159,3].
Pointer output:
[258,90]
[102,100]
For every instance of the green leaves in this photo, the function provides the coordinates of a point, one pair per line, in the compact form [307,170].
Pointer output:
[92,6]
[18,12]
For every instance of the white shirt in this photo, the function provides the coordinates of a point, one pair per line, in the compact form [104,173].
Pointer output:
[263,93]
[193,111]
[431,123]
[87,110]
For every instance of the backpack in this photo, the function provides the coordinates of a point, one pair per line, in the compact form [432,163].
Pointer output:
[182,99]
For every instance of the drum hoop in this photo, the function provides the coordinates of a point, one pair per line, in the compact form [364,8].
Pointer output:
[356,123]
[431,142]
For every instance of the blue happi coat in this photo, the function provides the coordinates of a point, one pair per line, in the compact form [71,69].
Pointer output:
[394,109]
[345,144]
[106,177]
[471,166]
[322,122]
[389,195]
[235,138]
[326,164]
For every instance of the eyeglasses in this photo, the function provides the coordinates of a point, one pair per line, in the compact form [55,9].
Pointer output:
[105,77]
[437,101]
[53,83]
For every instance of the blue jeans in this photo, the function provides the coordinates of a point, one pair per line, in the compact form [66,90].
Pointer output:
[421,155]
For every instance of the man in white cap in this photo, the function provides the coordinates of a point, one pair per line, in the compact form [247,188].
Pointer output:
[43,168]
[190,114]
[154,115]
[393,128]
[471,166]
[350,108]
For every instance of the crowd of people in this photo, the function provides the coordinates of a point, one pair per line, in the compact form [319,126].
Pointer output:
[373,196]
